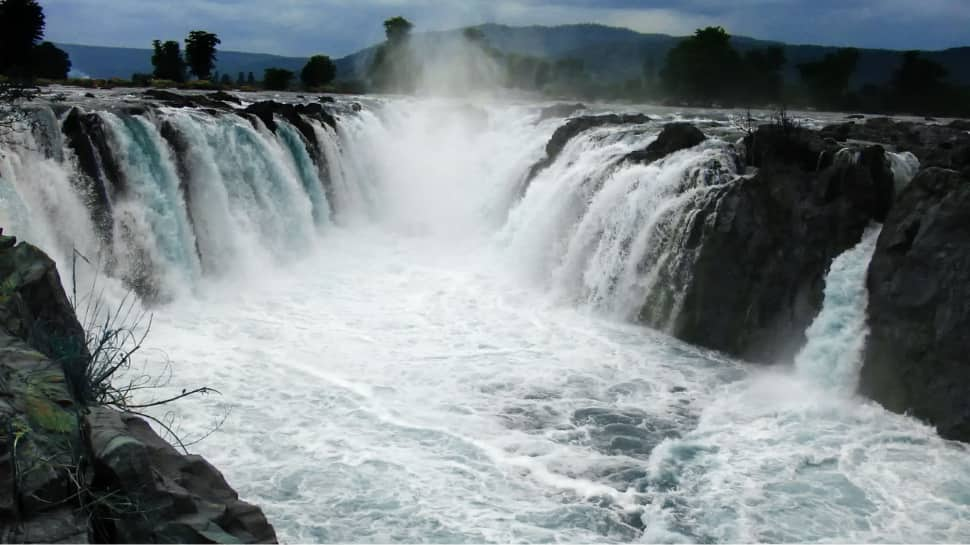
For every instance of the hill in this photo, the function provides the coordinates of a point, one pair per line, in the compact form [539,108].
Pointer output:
[609,53]
[119,62]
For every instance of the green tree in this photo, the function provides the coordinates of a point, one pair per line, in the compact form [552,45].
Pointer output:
[226,80]
[251,80]
[703,68]
[200,52]
[51,62]
[318,71]
[277,79]
[394,67]
[918,83]
[763,80]
[397,29]
[167,61]
[240,79]
[827,80]
[21,28]
[474,35]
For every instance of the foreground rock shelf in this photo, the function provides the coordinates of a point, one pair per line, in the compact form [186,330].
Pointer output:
[79,474]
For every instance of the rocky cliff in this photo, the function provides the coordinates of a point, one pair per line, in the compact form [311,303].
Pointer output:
[918,355]
[77,473]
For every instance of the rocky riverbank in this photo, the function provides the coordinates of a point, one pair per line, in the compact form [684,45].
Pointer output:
[76,473]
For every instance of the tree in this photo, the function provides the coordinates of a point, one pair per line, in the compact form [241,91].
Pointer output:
[226,80]
[394,67]
[21,28]
[167,61]
[200,52]
[397,29]
[319,70]
[215,76]
[277,79]
[703,68]
[240,79]
[763,80]
[51,62]
[827,80]
[251,80]
[474,35]
[917,82]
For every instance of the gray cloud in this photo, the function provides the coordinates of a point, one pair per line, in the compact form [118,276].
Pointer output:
[338,27]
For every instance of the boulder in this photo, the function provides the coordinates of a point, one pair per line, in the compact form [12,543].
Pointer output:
[917,360]
[674,137]
[174,498]
[177,100]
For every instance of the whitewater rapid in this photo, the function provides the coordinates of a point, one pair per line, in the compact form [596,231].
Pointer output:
[419,355]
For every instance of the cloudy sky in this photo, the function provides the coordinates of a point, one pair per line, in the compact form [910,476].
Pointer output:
[339,27]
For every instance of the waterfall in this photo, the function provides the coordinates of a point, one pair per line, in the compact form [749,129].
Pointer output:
[836,339]
[604,232]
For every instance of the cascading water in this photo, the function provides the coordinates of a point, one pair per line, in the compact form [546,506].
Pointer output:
[837,337]
[396,380]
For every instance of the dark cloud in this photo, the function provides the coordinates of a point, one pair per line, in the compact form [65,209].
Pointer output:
[338,27]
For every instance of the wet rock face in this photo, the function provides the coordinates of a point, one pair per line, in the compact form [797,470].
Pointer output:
[673,138]
[935,145]
[72,472]
[749,275]
[918,354]
[179,499]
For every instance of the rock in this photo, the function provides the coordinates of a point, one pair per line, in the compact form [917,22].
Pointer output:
[326,100]
[87,137]
[917,358]
[774,145]
[72,471]
[177,100]
[574,127]
[180,498]
[560,110]
[960,125]
[674,137]
[223,96]
[356,107]
[934,145]
[855,116]
[89,95]
[750,264]
[33,305]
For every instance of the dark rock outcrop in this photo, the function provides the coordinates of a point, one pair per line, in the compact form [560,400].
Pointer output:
[87,137]
[751,262]
[75,473]
[934,145]
[214,101]
[674,137]
[918,354]
[573,128]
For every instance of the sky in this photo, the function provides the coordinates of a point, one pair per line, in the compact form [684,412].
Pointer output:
[341,27]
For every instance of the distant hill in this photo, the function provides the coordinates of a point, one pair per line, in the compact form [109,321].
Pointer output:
[119,62]
[612,54]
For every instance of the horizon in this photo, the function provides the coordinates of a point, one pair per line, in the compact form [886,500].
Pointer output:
[339,28]
[514,26]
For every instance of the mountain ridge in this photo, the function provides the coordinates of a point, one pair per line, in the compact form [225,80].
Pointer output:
[610,53]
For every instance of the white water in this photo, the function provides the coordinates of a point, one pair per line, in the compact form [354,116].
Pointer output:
[418,371]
